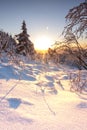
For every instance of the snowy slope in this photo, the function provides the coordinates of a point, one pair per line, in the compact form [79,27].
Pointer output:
[37,97]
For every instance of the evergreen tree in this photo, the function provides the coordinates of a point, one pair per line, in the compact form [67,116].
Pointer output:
[24,46]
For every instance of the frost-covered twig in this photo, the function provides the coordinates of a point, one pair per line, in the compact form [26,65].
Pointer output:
[78,84]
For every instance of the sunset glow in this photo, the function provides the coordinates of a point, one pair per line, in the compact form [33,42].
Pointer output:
[43,42]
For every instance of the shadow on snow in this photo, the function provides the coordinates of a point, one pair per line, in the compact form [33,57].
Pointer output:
[8,72]
[16,102]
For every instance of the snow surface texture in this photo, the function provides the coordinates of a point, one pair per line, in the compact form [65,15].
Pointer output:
[37,97]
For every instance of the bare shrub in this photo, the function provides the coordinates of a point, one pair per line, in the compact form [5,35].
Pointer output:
[78,83]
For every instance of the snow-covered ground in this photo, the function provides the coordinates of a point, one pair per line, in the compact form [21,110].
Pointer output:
[37,97]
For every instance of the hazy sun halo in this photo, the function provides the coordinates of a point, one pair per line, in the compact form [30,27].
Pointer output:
[43,42]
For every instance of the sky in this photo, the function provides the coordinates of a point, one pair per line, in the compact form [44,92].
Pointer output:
[43,17]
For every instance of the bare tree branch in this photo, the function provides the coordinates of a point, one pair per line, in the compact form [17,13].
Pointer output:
[77,20]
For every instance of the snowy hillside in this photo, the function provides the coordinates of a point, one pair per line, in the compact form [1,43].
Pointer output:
[37,97]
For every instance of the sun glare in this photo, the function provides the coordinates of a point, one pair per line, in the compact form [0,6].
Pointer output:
[43,42]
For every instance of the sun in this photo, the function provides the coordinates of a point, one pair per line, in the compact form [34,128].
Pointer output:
[43,42]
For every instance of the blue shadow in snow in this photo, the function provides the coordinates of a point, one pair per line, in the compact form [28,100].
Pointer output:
[50,78]
[82,105]
[14,73]
[14,102]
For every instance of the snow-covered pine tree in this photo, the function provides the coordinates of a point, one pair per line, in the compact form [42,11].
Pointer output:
[24,46]
[7,43]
